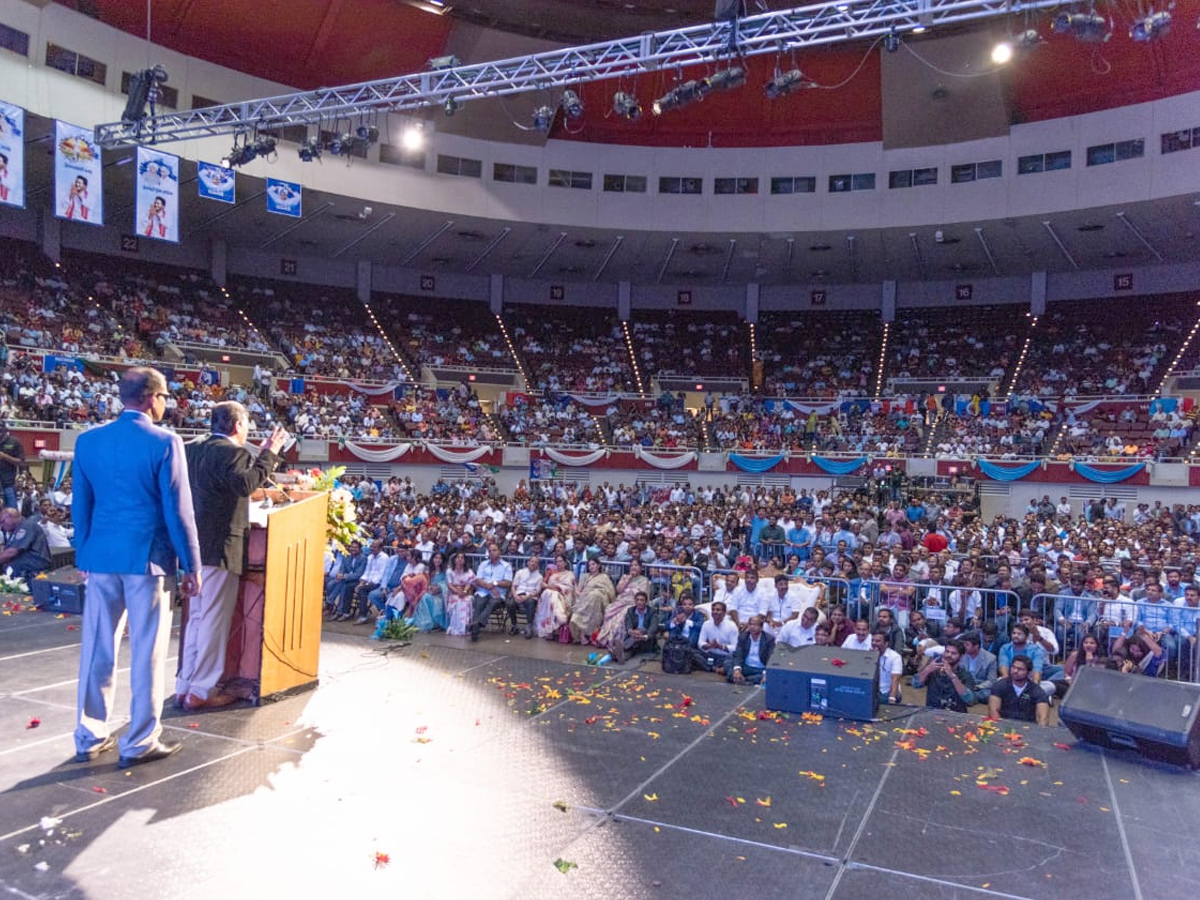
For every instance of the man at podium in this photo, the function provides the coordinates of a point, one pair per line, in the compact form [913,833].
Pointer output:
[223,475]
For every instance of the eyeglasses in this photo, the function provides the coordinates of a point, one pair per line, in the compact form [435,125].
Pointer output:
[163,395]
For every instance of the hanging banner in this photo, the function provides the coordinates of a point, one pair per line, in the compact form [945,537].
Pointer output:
[215,182]
[78,170]
[156,206]
[283,198]
[12,155]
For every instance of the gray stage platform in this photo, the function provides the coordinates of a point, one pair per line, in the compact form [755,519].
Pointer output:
[451,757]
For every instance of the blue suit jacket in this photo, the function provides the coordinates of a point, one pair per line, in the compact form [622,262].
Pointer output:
[132,504]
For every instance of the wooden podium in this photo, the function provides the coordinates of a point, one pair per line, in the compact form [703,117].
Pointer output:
[275,637]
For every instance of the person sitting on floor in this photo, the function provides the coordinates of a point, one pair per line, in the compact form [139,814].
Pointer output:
[641,629]
[947,683]
[26,551]
[1018,696]
[718,639]
[753,652]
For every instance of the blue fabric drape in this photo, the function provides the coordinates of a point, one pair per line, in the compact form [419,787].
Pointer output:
[1006,473]
[755,464]
[839,466]
[1107,476]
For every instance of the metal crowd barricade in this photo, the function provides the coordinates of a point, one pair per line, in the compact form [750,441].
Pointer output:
[972,605]
[1174,627]
[837,590]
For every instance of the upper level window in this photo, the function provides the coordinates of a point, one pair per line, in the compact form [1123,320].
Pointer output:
[672,185]
[735,185]
[800,184]
[564,178]
[1044,162]
[513,174]
[840,184]
[14,40]
[1102,154]
[459,165]
[1187,139]
[992,168]
[625,184]
[75,64]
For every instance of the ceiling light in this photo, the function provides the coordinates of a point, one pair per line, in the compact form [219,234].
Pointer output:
[627,106]
[413,137]
[1152,27]
[785,83]
[918,29]
[891,41]
[571,104]
[310,150]
[678,97]
[1002,53]
[1088,27]
[450,106]
[543,118]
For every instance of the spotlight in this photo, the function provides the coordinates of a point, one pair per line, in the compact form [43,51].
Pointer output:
[1088,27]
[725,80]
[240,154]
[571,104]
[368,134]
[627,106]
[679,97]
[785,83]
[444,62]
[413,137]
[1002,53]
[339,144]
[543,118]
[1151,28]
[143,89]
[310,150]
[891,41]
[264,146]
[450,106]
[1027,40]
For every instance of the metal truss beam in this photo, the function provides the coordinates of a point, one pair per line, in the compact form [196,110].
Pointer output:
[773,32]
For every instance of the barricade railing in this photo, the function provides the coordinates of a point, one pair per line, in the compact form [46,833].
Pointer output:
[1115,622]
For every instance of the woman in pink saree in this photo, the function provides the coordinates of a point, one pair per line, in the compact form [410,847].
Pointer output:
[556,602]
[459,581]
[612,629]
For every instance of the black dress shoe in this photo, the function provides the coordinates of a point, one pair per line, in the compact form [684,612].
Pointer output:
[474,633]
[158,750]
[90,754]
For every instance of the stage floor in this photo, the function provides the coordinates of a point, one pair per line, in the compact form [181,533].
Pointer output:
[476,768]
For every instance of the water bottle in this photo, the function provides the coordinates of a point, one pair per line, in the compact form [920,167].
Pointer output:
[710,663]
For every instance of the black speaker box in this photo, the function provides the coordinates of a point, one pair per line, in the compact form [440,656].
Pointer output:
[1159,719]
[808,680]
[60,590]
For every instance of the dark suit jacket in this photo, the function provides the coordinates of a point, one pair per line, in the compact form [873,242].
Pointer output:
[653,622]
[766,645]
[132,505]
[223,475]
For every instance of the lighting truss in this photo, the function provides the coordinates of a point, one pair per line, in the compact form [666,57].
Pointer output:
[772,32]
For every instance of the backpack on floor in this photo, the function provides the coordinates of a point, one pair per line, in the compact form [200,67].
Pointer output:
[677,658]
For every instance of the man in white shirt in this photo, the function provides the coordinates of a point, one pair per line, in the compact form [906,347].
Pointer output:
[373,576]
[526,590]
[861,639]
[751,598]
[891,667]
[718,638]
[799,632]
[493,578]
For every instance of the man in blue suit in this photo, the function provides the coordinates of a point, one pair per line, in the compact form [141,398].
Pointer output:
[134,529]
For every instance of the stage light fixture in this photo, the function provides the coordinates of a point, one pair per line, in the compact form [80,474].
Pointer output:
[543,118]
[571,104]
[725,80]
[627,106]
[450,61]
[1027,40]
[678,97]
[450,106]
[143,90]
[1002,53]
[785,83]
[367,134]
[413,137]
[1151,28]
[310,150]
[241,153]
[1087,27]
[891,41]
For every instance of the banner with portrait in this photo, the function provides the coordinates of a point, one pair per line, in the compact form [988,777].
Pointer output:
[156,206]
[78,175]
[284,198]
[12,155]
[215,182]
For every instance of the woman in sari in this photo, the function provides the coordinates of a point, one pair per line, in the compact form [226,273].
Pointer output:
[413,583]
[594,593]
[557,599]
[612,632]
[431,608]
[459,585]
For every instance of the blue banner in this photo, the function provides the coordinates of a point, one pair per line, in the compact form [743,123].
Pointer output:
[542,468]
[1108,476]
[283,198]
[51,362]
[1006,473]
[78,167]
[210,377]
[297,386]
[755,464]
[839,466]
[215,182]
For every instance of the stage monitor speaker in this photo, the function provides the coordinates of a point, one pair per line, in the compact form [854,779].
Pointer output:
[828,680]
[1159,719]
[60,590]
